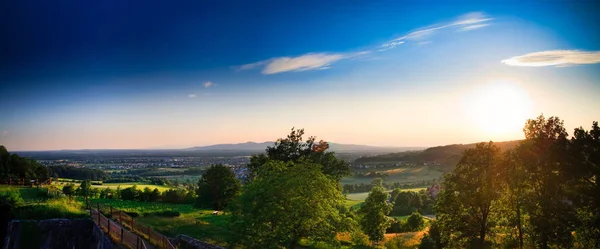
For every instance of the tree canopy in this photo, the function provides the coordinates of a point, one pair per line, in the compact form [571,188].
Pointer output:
[287,201]
[217,187]
[294,149]
[15,166]
[373,214]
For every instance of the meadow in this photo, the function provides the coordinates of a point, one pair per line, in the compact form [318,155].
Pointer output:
[402,175]
[139,185]
[197,223]
[362,196]
[37,204]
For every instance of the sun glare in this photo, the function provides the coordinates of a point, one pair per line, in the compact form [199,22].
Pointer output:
[499,108]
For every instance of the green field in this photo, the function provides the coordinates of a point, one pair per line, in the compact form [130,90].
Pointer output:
[36,204]
[362,196]
[197,223]
[139,185]
[402,175]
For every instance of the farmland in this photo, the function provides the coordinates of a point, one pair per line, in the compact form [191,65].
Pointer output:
[363,196]
[402,175]
[139,185]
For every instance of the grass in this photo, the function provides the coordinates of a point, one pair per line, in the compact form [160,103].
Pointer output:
[353,204]
[37,205]
[197,223]
[362,196]
[402,175]
[140,185]
[29,194]
[52,208]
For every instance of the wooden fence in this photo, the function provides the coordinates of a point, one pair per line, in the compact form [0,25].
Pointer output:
[155,238]
[116,232]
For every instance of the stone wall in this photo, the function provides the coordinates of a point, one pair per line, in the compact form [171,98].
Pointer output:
[56,233]
[187,242]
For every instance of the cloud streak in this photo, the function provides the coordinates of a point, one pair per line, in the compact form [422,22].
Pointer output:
[559,58]
[306,62]
[324,60]
[467,22]
[191,95]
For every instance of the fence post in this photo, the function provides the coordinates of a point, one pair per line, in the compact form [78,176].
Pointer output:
[137,243]
[108,227]
[121,234]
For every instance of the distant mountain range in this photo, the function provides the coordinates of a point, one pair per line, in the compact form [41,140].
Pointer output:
[259,147]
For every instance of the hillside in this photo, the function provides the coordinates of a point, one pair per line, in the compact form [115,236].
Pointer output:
[260,147]
[445,157]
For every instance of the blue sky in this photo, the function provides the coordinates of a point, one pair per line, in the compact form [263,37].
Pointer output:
[395,73]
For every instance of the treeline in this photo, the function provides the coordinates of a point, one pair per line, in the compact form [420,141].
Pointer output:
[448,155]
[15,166]
[145,172]
[174,196]
[366,187]
[408,202]
[542,194]
[151,180]
[77,173]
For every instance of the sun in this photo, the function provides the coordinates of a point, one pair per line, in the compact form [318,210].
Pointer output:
[499,108]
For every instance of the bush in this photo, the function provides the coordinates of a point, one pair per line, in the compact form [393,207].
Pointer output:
[427,243]
[415,222]
[359,239]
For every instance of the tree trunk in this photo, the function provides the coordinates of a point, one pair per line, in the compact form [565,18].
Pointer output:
[519,227]
[482,236]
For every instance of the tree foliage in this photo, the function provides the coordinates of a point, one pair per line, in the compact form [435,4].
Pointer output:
[373,214]
[14,166]
[217,187]
[466,207]
[287,202]
[294,149]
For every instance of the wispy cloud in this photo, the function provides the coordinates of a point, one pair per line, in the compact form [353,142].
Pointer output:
[470,21]
[4,133]
[208,84]
[191,95]
[306,62]
[324,60]
[472,27]
[559,58]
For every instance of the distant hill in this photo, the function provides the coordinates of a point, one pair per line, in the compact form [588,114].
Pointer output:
[260,147]
[447,156]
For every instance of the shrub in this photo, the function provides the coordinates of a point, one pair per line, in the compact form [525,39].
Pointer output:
[359,239]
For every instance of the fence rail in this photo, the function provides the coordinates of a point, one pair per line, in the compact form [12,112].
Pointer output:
[154,237]
[116,232]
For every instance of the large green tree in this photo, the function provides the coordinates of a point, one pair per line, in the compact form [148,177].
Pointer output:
[294,149]
[544,158]
[585,179]
[466,208]
[217,187]
[287,202]
[373,214]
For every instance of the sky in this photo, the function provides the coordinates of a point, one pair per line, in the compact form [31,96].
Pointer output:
[159,74]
